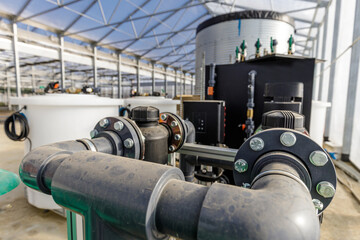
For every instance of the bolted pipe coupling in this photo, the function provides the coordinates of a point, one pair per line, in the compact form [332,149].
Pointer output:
[177,129]
[298,151]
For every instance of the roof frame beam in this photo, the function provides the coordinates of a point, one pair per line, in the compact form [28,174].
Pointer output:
[158,24]
[172,35]
[184,55]
[123,21]
[188,41]
[22,9]
[149,36]
[193,61]
[47,11]
[78,17]
[127,18]
[165,47]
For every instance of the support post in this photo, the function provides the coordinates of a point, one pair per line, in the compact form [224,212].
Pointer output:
[333,67]
[138,75]
[184,87]
[323,51]
[165,80]
[95,66]
[153,77]
[33,83]
[352,88]
[8,86]
[62,62]
[119,76]
[316,79]
[16,60]
[175,69]
[202,77]
[192,84]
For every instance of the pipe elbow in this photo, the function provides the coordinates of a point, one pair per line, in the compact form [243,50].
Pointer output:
[39,165]
[289,217]
[32,163]
[277,208]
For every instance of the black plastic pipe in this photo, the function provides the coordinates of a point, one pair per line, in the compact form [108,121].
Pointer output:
[179,207]
[38,166]
[186,162]
[119,195]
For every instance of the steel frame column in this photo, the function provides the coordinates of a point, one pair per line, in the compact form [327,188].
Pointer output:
[62,62]
[192,84]
[165,80]
[333,67]
[138,75]
[352,88]
[184,87]
[175,90]
[33,83]
[119,76]
[153,77]
[314,55]
[8,86]
[16,60]
[95,66]
[323,51]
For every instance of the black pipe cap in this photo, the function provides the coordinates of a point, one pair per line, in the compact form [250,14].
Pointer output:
[145,114]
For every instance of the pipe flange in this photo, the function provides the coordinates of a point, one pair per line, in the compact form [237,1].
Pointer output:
[303,149]
[127,131]
[177,129]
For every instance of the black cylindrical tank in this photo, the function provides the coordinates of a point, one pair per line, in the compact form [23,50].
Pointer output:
[156,135]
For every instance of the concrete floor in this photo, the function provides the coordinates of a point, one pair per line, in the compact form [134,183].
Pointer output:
[19,220]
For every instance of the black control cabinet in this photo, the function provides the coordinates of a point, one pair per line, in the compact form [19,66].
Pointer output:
[232,85]
[208,118]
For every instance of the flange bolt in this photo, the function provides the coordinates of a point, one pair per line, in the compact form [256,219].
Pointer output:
[256,144]
[318,158]
[318,204]
[93,133]
[325,189]
[104,123]
[241,165]
[177,137]
[163,117]
[288,139]
[171,148]
[118,126]
[128,143]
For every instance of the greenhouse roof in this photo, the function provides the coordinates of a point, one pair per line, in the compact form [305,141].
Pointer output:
[155,30]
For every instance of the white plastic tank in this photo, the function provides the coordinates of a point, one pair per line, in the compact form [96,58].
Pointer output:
[163,104]
[317,121]
[218,37]
[60,117]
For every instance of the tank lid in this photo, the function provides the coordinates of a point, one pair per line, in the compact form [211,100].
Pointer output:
[251,14]
[145,114]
